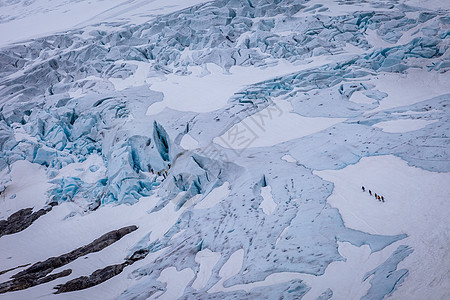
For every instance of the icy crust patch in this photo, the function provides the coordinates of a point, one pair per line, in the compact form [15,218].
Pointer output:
[336,146]
[292,288]
[342,279]
[386,277]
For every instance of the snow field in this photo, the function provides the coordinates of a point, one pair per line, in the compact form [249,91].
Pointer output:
[56,229]
[416,204]
[209,87]
[272,126]
[403,125]
[111,85]
[32,19]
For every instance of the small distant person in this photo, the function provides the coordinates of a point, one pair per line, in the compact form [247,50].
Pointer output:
[382,199]
[152,171]
[168,165]
[370,192]
[376,195]
[379,198]
[363,188]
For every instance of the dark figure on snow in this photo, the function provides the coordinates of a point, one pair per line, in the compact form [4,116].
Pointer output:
[376,195]
[382,199]
[364,189]
[370,192]
[379,199]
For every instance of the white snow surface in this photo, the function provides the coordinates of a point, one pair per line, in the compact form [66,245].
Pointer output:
[215,196]
[22,20]
[188,142]
[207,260]
[176,283]
[415,203]
[29,191]
[77,231]
[409,88]
[230,268]
[403,125]
[97,126]
[208,88]
[268,205]
[272,126]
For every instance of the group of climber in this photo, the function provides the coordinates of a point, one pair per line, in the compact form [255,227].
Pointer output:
[378,197]
[162,173]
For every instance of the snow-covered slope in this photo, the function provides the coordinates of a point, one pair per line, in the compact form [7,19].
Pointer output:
[218,149]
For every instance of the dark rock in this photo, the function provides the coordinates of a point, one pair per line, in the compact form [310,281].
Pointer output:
[95,278]
[21,220]
[100,275]
[9,270]
[28,281]
[138,255]
[37,273]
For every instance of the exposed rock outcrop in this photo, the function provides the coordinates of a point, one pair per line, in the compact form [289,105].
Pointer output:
[22,219]
[99,275]
[38,272]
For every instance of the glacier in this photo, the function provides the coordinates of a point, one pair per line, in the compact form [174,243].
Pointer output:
[78,105]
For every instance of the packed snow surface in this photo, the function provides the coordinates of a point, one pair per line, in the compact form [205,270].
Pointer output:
[271,126]
[403,125]
[247,141]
